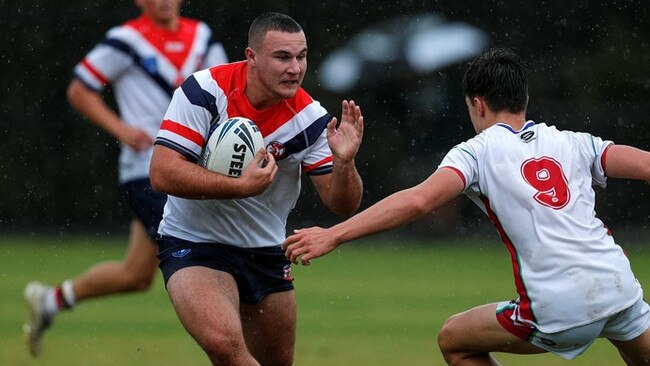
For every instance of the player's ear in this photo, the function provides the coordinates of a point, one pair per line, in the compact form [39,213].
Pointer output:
[250,55]
[481,106]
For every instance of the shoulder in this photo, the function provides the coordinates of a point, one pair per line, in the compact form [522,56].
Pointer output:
[220,72]
[134,22]
[592,146]
[238,67]
[491,139]
[589,145]
[230,76]
[121,39]
[126,32]
[578,137]
[191,25]
[139,24]
[195,86]
[554,130]
[203,86]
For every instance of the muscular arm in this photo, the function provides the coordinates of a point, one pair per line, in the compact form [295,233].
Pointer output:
[340,191]
[91,104]
[172,173]
[393,211]
[401,207]
[627,162]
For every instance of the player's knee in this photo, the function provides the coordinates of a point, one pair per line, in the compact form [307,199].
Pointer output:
[223,349]
[446,337]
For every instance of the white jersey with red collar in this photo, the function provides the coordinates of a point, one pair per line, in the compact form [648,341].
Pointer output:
[294,130]
[536,186]
[144,64]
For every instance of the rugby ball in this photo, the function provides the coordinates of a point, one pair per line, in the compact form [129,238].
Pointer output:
[232,146]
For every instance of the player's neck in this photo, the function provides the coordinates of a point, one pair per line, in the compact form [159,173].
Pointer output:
[514,120]
[256,95]
[169,24]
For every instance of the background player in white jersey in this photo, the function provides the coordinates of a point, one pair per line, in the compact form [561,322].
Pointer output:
[220,252]
[145,59]
[535,183]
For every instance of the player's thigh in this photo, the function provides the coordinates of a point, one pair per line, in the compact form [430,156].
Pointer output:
[635,351]
[270,326]
[629,331]
[477,330]
[207,304]
[141,251]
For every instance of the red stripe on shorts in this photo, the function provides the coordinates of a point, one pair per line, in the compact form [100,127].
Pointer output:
[521,331]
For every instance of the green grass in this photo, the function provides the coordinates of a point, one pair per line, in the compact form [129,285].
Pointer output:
[361,305]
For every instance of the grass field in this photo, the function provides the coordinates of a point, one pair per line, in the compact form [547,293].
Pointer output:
[362,305]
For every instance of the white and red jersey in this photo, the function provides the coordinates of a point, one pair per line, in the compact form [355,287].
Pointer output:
[294,130]
[145,63]
[536,186]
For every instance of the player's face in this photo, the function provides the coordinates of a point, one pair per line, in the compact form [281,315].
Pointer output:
[162,12]
[280,64]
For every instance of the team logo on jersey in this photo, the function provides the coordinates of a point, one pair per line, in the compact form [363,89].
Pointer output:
[527,136]
[276,149]
[287,273]
[150,64]
[174,47]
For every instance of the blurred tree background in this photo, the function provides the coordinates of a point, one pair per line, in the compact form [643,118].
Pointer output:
[589,71]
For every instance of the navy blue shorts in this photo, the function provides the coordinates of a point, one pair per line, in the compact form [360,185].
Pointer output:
[145,203]
[257,271]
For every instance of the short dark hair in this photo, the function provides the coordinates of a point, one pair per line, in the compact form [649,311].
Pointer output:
[271,21]
[499,76]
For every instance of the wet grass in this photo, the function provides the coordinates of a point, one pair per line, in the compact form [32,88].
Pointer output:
[364,304]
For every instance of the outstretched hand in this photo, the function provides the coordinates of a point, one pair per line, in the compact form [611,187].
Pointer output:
[345,140]
[308,244]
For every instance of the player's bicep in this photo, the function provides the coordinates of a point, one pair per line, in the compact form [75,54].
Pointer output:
[443,185]
[623,161]
[79,93]
[165,158]
[164,167]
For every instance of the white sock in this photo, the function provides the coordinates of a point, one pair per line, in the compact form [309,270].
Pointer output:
[68,293]
[50,306]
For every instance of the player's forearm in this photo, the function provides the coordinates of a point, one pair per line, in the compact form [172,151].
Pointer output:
[402,207]
[346,188]
[175,176]
[192,182]
[91,104]
[392,212]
